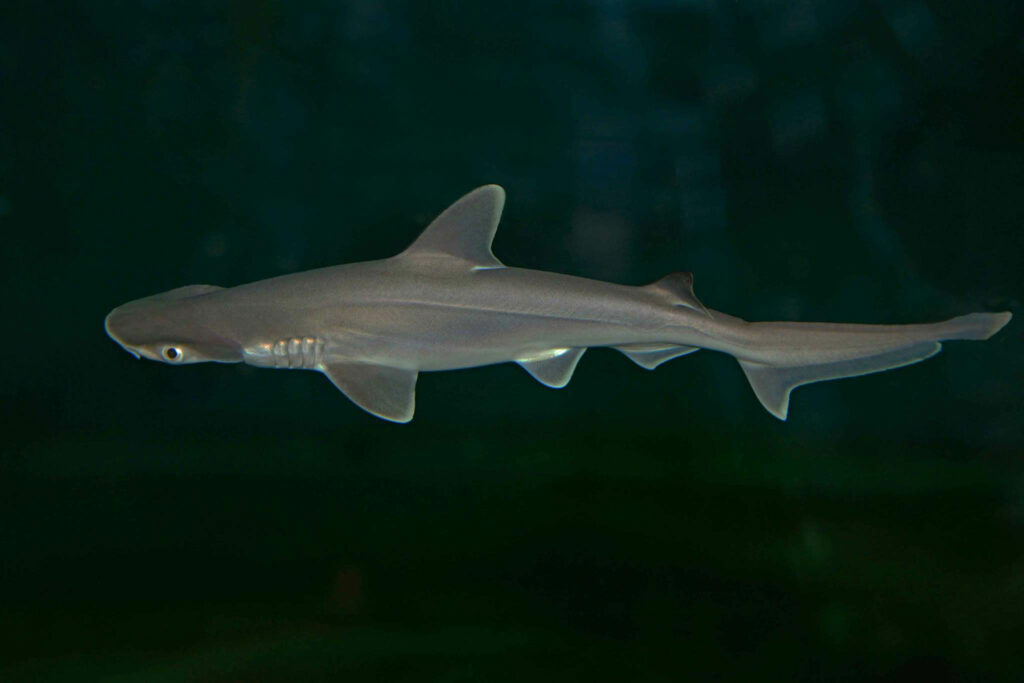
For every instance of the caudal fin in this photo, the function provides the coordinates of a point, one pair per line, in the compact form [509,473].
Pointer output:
[773,383]
[979,326]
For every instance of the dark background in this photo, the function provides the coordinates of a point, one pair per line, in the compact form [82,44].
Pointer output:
[807,159]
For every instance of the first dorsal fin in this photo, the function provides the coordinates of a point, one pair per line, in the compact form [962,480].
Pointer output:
[187,291]
[678,288]
[465,229]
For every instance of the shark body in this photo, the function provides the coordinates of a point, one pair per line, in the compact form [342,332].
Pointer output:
[446,302]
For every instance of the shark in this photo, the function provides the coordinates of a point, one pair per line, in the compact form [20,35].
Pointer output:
[446,303]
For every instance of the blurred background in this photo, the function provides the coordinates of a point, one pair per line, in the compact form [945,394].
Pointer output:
[837,160]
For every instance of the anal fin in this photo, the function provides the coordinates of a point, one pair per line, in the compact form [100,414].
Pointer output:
[553,368]
[651,356]
[389,393]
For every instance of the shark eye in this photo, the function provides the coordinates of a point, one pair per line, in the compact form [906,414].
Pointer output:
[172,354]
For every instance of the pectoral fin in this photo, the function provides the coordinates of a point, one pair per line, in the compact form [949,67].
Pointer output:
[386,392]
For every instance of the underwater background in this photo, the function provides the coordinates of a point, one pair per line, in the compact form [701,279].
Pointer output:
[833,160]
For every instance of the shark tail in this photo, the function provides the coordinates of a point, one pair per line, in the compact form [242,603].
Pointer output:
[773,380]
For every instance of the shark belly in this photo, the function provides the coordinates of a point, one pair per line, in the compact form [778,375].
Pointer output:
[445,337]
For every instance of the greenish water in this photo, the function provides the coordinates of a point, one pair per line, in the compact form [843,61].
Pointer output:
[816,161]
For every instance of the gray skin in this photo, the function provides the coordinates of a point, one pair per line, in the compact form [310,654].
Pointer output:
[446,303]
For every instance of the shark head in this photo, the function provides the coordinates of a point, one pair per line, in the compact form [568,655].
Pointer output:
[172,328]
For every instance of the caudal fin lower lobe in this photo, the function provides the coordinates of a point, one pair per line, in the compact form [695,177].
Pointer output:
[773,384]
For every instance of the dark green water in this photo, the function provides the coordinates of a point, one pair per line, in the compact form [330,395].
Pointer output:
[839,161]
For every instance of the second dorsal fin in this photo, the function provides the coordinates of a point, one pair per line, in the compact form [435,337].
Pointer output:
[465,229]
[678,288]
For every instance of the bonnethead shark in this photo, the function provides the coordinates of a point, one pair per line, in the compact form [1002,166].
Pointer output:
[446,302]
